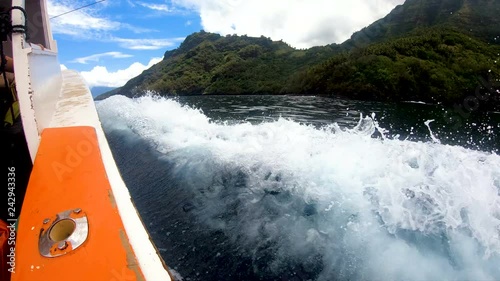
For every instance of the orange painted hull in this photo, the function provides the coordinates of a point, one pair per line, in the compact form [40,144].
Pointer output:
[68,174]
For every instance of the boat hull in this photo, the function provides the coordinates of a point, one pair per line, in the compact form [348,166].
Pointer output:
[68,174]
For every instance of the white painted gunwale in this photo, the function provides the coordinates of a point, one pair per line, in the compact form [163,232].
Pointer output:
[72,105]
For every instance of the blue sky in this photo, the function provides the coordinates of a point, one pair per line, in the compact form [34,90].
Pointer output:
[113,41]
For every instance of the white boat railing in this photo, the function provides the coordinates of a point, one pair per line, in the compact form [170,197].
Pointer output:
[37,72]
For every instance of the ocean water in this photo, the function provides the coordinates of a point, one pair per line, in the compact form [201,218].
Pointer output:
[311,188]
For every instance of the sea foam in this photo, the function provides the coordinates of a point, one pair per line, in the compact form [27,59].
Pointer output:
[340,202]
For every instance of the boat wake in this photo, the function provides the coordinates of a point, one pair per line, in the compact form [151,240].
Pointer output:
[325,204]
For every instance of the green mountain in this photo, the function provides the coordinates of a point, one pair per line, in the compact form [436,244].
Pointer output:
[207,63]
[430,50]
[432,65]
[477,18]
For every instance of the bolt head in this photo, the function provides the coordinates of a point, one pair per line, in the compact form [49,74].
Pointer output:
[46,221]
[62,245]
[77,210]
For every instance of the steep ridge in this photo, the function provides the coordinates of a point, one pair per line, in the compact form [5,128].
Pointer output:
[431,65]
[478,18]
[207,63]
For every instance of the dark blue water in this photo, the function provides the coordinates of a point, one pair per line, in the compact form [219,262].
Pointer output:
[478,130]
[304,188]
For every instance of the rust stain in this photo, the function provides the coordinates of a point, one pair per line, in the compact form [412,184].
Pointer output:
[131,261]
[112,198]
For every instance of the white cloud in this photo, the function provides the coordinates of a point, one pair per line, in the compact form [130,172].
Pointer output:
[63,67]
[146,44]
[96,57]
[156,7]
[300,23]
[79,23]
[100,76]
[131,3]
[85,23]
[137,29]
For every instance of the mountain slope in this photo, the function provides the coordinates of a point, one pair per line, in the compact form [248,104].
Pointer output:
[207,63]
[432,65]
[478,18]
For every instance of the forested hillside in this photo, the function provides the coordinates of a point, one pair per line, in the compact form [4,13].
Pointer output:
[207,63]
[429,65]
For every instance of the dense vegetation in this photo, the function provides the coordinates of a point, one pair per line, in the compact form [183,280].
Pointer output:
[477,18]
[430,50]
[207,63]
[429,65]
